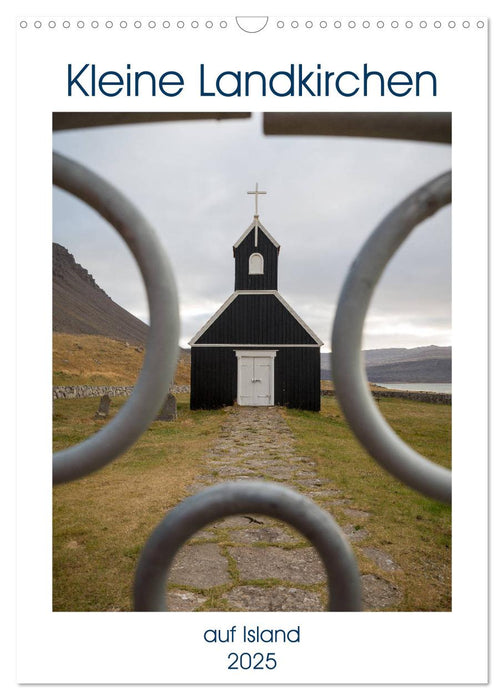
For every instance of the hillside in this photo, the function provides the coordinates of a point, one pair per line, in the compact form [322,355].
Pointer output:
[387,356]
[81,307]
[95,341]
[425,371]
[96,361]
[431,363]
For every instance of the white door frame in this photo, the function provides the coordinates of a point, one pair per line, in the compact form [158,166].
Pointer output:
[255,354]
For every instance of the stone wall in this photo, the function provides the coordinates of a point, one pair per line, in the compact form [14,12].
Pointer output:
[425,396]
[86,391]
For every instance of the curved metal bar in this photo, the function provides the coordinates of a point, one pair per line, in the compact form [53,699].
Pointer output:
[162,344]
[350,381]
[240,497]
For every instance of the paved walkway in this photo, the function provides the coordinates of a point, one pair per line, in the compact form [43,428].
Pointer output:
[254,563]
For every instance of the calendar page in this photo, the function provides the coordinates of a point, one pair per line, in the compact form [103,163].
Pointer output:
[267,338]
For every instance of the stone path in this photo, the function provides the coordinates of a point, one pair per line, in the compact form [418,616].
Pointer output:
[254,563]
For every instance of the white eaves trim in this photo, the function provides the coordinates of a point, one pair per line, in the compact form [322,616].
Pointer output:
[213,318]
[238,346]
[230,300]
[299,320]
[251,228]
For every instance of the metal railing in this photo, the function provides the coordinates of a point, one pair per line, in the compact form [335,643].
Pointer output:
[236,498]
[162,343]
[349,375]
[374,433]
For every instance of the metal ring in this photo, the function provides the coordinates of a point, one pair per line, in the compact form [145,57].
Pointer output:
[162,344]
[350,381]
[240,497]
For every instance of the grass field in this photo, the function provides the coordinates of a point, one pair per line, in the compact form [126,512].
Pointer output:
[102,521]
[413,529]
[98,361]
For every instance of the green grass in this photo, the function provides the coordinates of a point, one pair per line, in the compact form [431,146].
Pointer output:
[101,522]
[413,529]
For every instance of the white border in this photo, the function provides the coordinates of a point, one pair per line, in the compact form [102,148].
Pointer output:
[52,645]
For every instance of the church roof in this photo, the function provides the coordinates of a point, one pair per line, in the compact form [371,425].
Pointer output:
[250,228]
[237,332]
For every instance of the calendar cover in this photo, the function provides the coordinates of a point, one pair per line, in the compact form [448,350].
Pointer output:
[251,255]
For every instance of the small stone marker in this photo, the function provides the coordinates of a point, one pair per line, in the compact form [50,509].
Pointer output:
[169,410]
[103,408]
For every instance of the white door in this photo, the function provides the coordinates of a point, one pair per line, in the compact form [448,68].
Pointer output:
[255,379]
[261,382]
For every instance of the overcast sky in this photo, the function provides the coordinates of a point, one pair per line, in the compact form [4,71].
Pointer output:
[325,196]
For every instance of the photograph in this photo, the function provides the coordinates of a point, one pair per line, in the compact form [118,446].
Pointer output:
[252,362]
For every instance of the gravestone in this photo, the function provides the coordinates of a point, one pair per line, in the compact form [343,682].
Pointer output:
[103,408]
[169,409]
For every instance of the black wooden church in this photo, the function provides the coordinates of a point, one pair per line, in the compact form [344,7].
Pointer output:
[255,349]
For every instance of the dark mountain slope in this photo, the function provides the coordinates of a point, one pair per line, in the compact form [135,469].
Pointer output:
[425,371]
[80,306]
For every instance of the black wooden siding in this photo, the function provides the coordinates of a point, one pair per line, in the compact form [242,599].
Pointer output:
[297,378]
[256,319]
[214,377]
[268,280]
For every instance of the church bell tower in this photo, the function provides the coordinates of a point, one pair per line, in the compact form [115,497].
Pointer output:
[256,256]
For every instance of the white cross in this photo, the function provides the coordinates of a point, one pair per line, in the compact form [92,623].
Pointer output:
[256,215]
[257,192]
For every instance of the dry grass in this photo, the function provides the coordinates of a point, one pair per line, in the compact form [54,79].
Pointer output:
[327,385]
[101,522]
[183,373]
[96,360]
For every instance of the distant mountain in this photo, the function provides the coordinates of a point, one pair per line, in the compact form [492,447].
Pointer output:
[80,306]
[431,363]
[387,356]
[425,371]
[325,363]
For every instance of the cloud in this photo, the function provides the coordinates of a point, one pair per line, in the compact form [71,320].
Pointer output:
[325,195]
